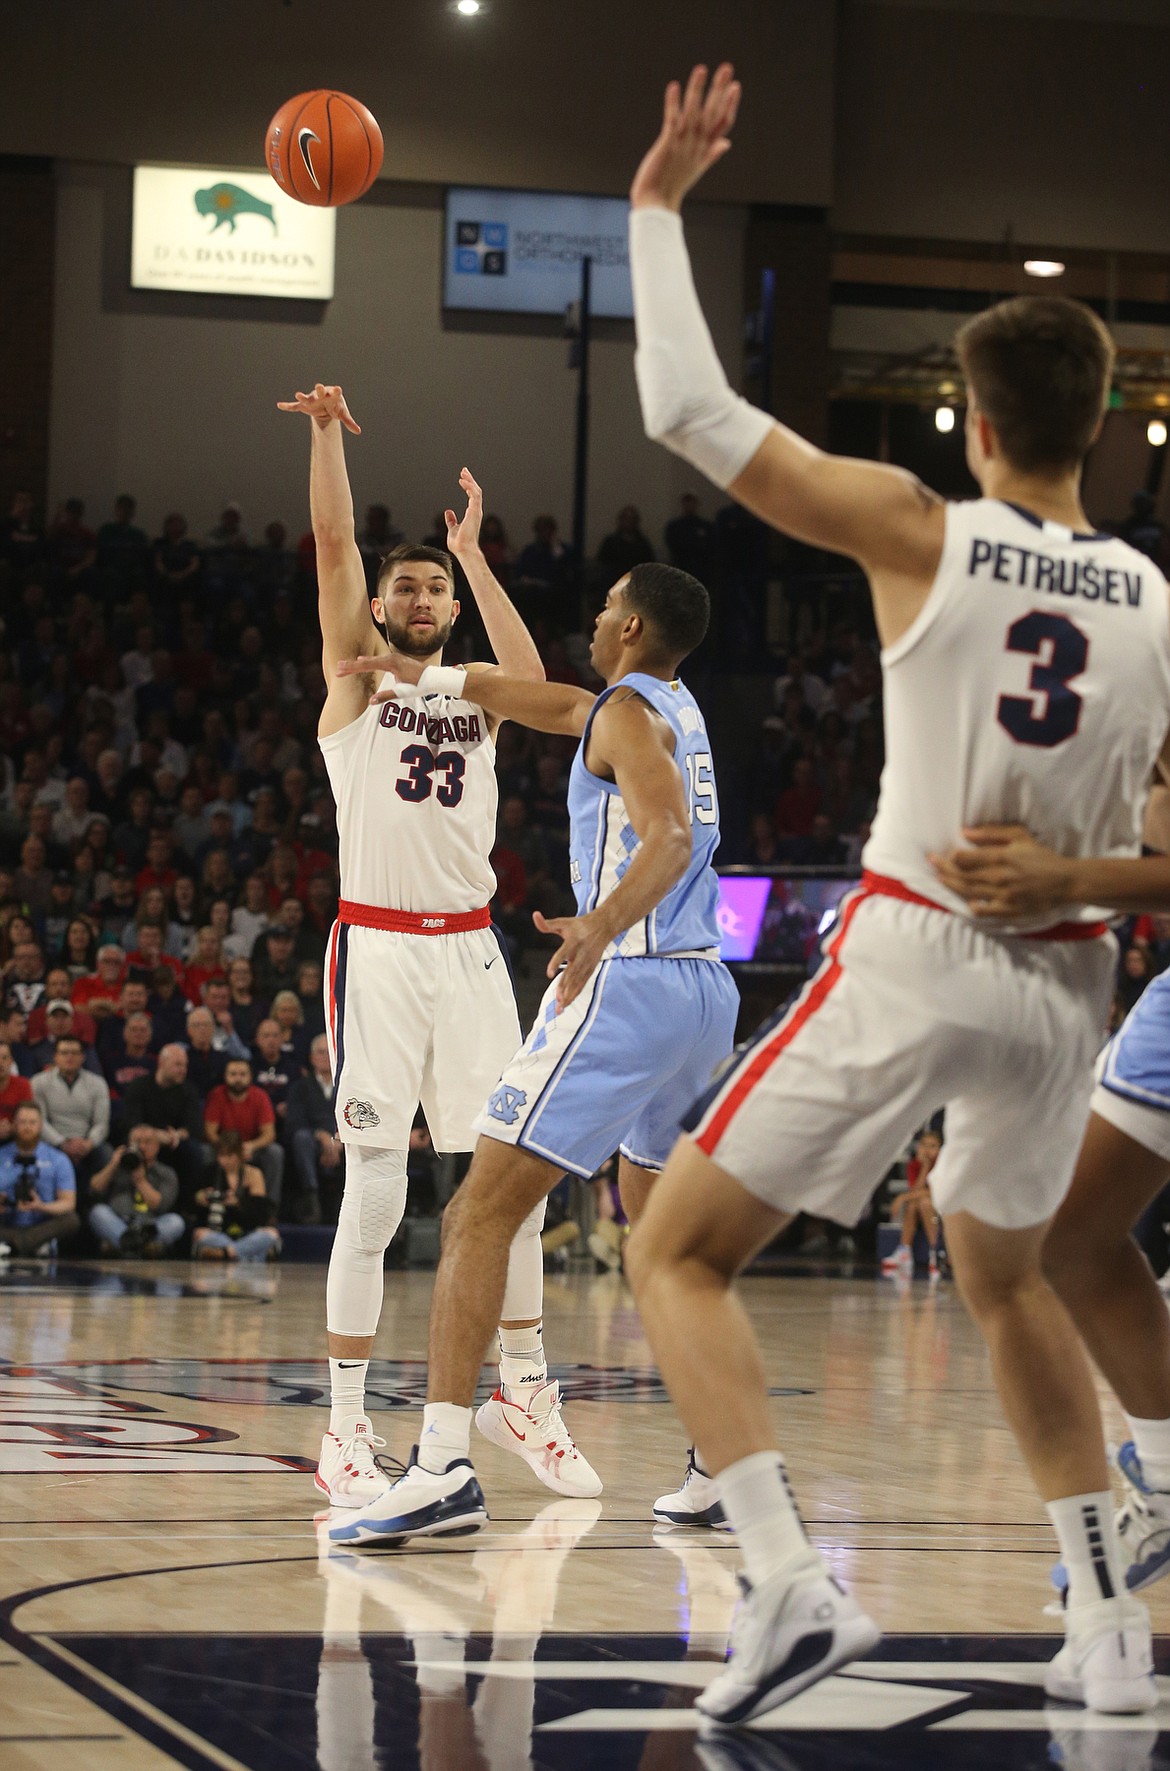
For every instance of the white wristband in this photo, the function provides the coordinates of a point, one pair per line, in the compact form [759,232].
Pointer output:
[686,401]
[443,679]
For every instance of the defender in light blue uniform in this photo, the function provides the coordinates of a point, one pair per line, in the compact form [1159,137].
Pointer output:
[621,1064]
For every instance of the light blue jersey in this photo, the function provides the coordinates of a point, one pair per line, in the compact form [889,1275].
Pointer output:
[603,842]
[1136,1062]
[618,1068]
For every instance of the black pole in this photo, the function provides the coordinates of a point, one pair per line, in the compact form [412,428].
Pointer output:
[581,460]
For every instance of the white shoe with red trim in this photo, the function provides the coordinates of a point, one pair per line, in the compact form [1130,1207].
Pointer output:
[538,1434]
[347,1470]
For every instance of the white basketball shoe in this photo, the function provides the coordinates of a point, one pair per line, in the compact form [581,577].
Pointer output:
[538,1434]
[695,1503]
[1106,1662]
[787,1635]
[347,1471]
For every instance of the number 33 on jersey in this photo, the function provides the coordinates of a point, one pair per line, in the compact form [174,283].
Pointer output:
[398,773]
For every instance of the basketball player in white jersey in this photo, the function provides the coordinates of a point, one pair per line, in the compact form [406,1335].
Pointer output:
[1027,678]
[419,1001]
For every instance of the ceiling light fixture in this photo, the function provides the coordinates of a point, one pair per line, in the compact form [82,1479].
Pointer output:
[468,8]
[1156,433]
[1044,267]
[944,419]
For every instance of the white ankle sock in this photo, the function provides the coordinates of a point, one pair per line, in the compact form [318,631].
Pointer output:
[1152,1438]
[347,1394]
[446,1435]
[762,1511]
[522,1365]
[1089,1548]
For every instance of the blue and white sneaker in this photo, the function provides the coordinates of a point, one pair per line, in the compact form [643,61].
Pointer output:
[1143,1523]
[420,1504]
[695,1503]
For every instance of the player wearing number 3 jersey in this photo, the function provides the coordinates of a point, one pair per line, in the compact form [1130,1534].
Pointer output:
[1026,665]
[418,994]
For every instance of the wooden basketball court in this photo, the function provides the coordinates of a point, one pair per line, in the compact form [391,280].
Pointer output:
[165,1599]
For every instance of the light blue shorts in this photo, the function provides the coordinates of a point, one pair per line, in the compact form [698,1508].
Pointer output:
[619,1068]
[1133,1077]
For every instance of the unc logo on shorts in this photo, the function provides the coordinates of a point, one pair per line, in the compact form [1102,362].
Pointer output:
[506,1103]
[360,1115]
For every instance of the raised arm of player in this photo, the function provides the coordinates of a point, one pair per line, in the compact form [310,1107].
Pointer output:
[347,627]
[879,515]
[545,707]
[513,645]
[636,745]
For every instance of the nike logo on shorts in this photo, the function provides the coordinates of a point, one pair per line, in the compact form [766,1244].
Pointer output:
[489,963]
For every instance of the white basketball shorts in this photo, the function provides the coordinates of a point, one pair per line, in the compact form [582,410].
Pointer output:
[912,1010]
[416,1018]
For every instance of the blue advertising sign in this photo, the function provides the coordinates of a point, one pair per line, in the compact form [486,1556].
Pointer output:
[520,252]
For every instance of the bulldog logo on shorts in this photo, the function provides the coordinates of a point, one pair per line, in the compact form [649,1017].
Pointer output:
[360,1115]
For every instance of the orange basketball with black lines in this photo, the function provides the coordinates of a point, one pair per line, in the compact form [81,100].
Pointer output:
[324,148]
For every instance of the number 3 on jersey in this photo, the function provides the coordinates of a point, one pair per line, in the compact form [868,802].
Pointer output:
[419,781]
[1063,652]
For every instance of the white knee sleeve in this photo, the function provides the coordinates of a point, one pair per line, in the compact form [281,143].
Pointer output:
[371,1210]
[524,1292]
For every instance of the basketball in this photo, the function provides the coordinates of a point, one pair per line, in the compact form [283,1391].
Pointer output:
[324,148]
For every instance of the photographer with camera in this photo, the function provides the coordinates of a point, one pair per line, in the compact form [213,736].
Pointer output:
[38,1194]
[235,1213]
[136,1195]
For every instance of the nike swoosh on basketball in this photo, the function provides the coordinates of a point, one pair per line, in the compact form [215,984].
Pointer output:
[304,137]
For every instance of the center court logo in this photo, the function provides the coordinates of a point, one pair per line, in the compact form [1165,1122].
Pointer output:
[481,248]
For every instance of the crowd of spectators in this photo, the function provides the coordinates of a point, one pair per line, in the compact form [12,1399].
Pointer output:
[168,872]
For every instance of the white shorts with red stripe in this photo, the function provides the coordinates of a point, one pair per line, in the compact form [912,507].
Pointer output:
[912,1010]
[416,1017]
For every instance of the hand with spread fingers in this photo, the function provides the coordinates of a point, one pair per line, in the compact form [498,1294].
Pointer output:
[583,941]
[325,405]
[463,534]
[695,133]
[1006,875]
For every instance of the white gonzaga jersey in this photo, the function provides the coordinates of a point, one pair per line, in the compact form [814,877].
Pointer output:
[1033,688]
[415,786]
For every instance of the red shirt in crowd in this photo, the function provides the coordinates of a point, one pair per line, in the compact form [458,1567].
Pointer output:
[15,1092]
[93,988]
[137,961]
[82,1024]
[151,876]
[248,1115]
[511,879]
[197,976]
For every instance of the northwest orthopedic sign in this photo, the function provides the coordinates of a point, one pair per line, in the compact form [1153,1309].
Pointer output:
[228,233]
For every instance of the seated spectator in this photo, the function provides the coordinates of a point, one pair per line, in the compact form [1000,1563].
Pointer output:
[59,988]
[246,1010]
[185,915]
[290,1018]
[274,965]
[238,1105]
[101,992]
[206,962]
[59,1023]
[58,916]
[320,907]
[159,868]
[235,1213]
[763,845]
[168,1101]
[275,1070]
[249,919]
[75,1105]
[915,1208]
[72,821]
[309,981]
[690,541]
[134,1199]
[122,547]
[822,847]
[167,1007]
[206,1061]
[15,1089]
[799,804]
[176,557]
[547,563]
[626,546]
[150,954]
[24,984]
[14,1031]
[191,826]
[38,1191]
[130,1056]
[114,911]
[311,1131]
[1136,973]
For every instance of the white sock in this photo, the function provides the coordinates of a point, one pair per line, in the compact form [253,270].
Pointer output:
[1089,1548]
[522,1365]
[446,1435]
[1152,1438]
[347,1395]
[760,1506]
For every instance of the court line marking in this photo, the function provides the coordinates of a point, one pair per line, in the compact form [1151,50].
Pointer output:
[210,1755]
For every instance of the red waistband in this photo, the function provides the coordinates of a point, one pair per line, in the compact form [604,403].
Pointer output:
[878,884]
[409,922]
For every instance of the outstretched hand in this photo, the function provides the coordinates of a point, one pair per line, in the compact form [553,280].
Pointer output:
[396,688]
[1006,875]
[695,133]
[324,405]
[576,959]
[463,535]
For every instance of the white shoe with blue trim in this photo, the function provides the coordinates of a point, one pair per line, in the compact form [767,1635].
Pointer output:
[787,1635]
[420,1504]
[695,1503]
[1143,1523]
